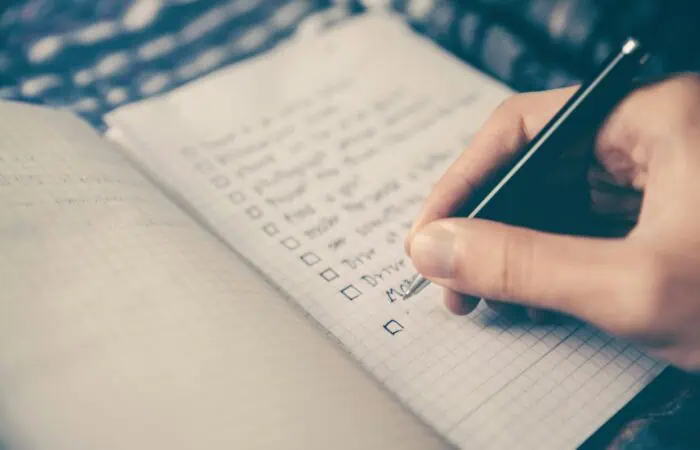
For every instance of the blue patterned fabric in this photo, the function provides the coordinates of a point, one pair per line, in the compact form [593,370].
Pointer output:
[94,55]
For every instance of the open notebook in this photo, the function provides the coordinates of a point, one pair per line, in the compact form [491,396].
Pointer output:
[223,268]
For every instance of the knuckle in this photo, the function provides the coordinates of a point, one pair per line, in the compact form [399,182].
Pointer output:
[686,83]
[682,94]
[676,104]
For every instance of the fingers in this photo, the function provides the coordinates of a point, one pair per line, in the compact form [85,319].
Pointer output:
[647,123]
[509,128]
[564,274]
[460,304]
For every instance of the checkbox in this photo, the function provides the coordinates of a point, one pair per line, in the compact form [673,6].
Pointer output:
[271,229]
[236,197]
[350,292]
[329,274]
[253,212]
[220,181]
[310,258]
[393,327]
[291,243]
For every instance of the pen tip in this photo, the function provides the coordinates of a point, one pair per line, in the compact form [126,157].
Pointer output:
[416,286]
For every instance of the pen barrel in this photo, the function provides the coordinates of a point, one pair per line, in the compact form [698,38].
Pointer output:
[505,196]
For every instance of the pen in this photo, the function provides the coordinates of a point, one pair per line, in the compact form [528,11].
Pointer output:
[581,116]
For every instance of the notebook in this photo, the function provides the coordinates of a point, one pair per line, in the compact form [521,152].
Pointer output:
[223,267]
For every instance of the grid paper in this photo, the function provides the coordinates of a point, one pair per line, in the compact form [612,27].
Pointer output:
[124,325]
[311,162]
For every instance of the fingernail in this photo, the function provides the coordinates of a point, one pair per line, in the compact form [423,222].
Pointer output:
[416,223]
[409,239]
[432,251]
[459,304]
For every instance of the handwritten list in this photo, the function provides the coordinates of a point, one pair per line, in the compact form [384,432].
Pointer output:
[311,163]
[311,167]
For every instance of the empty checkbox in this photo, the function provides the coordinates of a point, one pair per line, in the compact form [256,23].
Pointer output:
[220,181]
[271,229]
[236,197]
[291,243]
[393,327]
[351,292]
[329,274]
[253,212]
[310,258]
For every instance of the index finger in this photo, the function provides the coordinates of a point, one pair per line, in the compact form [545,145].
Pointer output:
[510,127]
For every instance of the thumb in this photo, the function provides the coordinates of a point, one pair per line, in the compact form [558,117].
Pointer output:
[571,275]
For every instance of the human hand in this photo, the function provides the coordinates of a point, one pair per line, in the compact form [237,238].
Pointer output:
[644,285]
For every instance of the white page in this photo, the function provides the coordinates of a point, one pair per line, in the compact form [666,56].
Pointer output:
[312,161]
[123,325]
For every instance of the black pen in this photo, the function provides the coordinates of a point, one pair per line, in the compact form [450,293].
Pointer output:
[580,117]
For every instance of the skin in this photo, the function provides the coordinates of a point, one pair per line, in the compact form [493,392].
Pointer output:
[641,176]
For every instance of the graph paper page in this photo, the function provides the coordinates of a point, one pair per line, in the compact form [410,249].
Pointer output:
[124,325]
[312,161]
